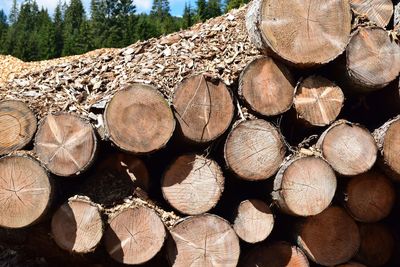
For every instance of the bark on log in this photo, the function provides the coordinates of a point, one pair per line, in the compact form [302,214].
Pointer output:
[77,226]
[318,32]
[326,246]
[139,120]
[65,144]
[318,101]
[351,264]
[254,150]
[193,184]
[254,221]
[17,126]
[267,86]
[348,147]
[25,191]
[377,11]
[203,240]
[369,197]
[135,235]
[304,186]
[204,108]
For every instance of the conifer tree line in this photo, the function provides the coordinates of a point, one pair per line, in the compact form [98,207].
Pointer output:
[30,33]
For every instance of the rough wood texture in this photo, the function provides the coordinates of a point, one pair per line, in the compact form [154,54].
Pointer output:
[396,20]
[348,147]
[369,197]
[351,264]
[305,33]
[77,226]
[267,86]
[25,191]
[193,184]
[17,125]
[318,101]
[372,59]
[204,240]
[327,247]
[204,108]
[279,254]
[377,11]
[254,150]
[304,186]
[139,120]
[135,235]
[65,144]
[254,221]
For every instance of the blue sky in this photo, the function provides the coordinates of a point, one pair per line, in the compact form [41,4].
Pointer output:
[141,5]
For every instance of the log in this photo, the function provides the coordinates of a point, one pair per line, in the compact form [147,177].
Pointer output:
[319,32]
[203,107]
[267,86]
[304,186]
[277,254]
[326,246]
[193,184]
[254,221]
[17,126]
[368,67]
[377,245]
[203,240]
[377,11]
[134,235]
[369,197]
[25,191]
[138,119]
[348,147]
[351,264]
[254,150]
[66,144]
[318,101]
[77,226]
[396,20]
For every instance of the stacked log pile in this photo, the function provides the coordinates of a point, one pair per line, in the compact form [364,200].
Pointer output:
[265,137]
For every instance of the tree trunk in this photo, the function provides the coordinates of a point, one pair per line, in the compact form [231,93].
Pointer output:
[193,184]
[254,221]
[304,186]
[25,190]
[318,101]
[65,144]
[267,86]
[139,120]
[17,126]
[204,240]
[377,11]
[369,197]
[326,246]
[204,108]
[318,32]
[348,147]
[77,226]
[254,150]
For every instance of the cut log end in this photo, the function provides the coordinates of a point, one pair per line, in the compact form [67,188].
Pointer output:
[391,146]
[318,101]
[139,119]
[65,144]
[77,226]
[327,247]
[25,191]
[254,150]
[267,87]
[377,11]
[193,184]
[17,125]
[304,186]
[254,221]
[370,197]
[204,108]
[135,236]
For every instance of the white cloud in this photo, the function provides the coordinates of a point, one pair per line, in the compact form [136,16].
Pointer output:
[143,5]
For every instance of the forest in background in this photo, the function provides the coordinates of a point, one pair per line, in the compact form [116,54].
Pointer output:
[31,34]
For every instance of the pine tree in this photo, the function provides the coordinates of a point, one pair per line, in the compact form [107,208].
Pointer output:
[230,4]
[201,10]
[14,12]
[187,17]
[213,9]
[73,26]
[58,30]
[3,30]
[45,36]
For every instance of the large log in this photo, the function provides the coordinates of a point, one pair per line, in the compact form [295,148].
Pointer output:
[351,264]
[301,33]
[377,11]
[17,125]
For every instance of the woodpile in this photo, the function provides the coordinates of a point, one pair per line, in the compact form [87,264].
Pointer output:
[265,137]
